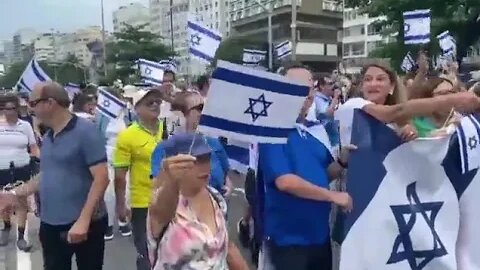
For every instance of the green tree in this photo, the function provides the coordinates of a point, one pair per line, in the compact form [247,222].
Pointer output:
[132,43]
[460,17]
[12,74]
[231,49]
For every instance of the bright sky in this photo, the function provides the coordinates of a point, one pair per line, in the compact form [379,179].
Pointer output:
[62,15]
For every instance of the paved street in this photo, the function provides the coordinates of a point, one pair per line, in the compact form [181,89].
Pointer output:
[120,254]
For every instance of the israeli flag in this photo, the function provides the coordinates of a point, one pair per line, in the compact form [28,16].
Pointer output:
[238,156]
[262,107]
[447,43]
[417,26]
[109,105]
[169,64]
[72,89]
[203,42]
[406,211]
[253,58]
[468,139]
[283,49]
[32,75]
[408,63]
[150,72]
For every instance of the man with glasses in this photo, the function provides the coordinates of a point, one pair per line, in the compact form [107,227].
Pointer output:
[132,154]
[71,184]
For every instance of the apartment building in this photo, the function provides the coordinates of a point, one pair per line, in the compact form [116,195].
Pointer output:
[134,14]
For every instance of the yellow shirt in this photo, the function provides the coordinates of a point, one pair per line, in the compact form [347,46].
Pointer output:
[134,150]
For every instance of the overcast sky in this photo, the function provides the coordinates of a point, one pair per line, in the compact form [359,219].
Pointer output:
[63,15]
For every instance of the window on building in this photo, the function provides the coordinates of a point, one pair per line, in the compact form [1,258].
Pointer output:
[374,29]
[358,48]
[216,4]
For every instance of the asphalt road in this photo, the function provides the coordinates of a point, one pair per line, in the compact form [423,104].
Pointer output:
[120,253]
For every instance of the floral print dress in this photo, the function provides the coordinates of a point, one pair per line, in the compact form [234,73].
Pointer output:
[188,244]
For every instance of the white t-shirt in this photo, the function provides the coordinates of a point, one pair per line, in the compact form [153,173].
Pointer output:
[14,142]
[344,115]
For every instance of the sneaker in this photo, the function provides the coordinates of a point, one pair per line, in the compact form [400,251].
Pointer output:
[109,234]
[23,245]
[4,237]
[243,230]
[124,229]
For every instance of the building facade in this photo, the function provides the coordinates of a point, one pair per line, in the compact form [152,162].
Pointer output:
[134,14]
[76,44]
[318,25]
[360,37]
[22,41]
[46,47]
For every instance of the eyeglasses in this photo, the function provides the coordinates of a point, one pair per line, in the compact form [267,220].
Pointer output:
[34,103]
[153,102]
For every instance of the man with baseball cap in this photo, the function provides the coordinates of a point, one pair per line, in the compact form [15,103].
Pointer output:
[132,154]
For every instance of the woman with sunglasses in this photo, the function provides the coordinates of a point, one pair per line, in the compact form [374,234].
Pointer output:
[17,145]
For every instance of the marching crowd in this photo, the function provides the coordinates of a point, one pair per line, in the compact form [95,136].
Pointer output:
[150,172]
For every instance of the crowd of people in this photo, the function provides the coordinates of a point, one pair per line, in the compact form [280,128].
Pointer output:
[149,172]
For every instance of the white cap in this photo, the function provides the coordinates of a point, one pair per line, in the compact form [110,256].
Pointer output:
[139,95]
[129,91]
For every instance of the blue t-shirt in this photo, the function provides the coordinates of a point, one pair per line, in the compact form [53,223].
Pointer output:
[290,220]
[218,162]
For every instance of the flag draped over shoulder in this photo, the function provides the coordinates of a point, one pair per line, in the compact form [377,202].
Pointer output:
[406,212]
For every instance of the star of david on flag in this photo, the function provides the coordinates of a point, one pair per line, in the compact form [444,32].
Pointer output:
[109,105]
[251,105]
[417,26]
[468,137]
[203,41]
[151,72]
[406,210]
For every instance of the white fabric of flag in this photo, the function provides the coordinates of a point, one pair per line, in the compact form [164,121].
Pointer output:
[283,49]
[468,138]
[447,43]
[151,72]
[408,63]
[203,42]
[169,64]
[72,89]
[406,214]
[251,105]
[253,58]
[417,26]
[32,75]
[109,105]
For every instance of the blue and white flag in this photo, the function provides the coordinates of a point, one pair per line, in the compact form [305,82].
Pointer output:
[406,211]
[283,49]
[72,89]
[203,41]
[169,64]
[238,156]
[32,75]
[417,26]
[251,105]
[150,72]
[447,43]
[408,63]
[468,139]
[109,105]
[253,58]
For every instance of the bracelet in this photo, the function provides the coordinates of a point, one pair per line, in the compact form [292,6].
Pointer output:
[342,164]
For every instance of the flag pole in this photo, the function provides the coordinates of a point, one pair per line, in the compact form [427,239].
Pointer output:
[171,27]
[103,41]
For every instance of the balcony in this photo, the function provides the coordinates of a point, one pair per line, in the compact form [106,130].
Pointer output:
[331,5]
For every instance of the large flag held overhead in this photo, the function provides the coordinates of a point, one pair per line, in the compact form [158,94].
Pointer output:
[150,72]
[406,211]
[32,75]
[203,41]
[265,107]
[109,105]
[417,26]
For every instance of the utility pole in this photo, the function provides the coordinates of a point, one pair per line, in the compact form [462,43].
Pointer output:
[294,29]
[269,11]
[103,42]
[171,27]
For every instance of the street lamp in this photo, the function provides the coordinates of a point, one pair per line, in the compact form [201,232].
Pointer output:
[269,11]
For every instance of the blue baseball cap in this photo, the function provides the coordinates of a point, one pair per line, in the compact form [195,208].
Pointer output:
[183,143]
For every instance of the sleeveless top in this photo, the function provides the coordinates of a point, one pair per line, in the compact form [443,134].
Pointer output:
[186,243]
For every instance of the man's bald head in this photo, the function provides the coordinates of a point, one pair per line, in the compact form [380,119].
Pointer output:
[53,90]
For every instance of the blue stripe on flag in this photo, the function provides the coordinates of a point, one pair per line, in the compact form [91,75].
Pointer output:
[417,37]
[416,16]
[204,31]
[463,148]
[150,79]
[150,64]
[106,112]
[113,98]
[199,54]
[252,81]
[238,153]
[227,125]
[37,73]
[24,85]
